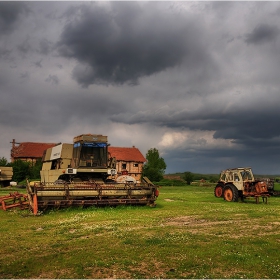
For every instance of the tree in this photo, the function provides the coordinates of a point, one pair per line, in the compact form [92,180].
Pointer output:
[3,161]
[188,177]
[35,169]
[21,170]
[155,166]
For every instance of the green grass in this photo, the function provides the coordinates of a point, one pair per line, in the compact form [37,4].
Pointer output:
[190,234]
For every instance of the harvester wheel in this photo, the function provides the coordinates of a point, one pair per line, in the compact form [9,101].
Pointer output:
[219,190]
[231,193]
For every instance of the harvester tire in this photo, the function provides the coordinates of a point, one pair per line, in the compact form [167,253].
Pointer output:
[231,193]
[219,190]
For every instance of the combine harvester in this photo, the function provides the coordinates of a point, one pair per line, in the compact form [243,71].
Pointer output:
[82,174]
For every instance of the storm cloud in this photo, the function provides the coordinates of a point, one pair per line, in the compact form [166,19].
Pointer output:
[197,80]
[124,43]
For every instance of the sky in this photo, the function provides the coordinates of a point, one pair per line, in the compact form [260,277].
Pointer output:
[199,81]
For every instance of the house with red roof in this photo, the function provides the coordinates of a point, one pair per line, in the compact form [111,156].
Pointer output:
[29,151]
[129,161]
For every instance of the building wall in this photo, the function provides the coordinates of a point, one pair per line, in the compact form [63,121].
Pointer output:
[134,169]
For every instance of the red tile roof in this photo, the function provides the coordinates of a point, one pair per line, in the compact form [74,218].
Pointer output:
[30,150]
[126,154]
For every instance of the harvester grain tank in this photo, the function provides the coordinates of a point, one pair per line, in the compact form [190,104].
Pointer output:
[82,174]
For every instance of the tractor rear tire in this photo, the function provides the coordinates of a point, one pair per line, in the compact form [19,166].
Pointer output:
[231,193]
[219,190]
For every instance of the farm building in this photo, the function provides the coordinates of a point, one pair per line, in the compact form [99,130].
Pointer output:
[130,161]
[29,151]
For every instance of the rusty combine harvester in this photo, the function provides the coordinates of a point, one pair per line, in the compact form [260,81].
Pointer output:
[238,183]
[82,174]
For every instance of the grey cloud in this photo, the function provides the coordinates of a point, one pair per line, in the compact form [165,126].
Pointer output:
[24,47]
[244,126]
[4,53]
[54,112]
[113,48]
[38,63]
[52,79]
[10,13]
[45,46]
[262,34]
[25,75]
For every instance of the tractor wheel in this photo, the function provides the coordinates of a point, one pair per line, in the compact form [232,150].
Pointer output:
[231,193]
[219,190]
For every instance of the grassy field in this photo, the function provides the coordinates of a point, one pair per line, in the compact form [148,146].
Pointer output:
[190,234]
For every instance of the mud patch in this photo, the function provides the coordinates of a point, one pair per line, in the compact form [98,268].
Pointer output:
[193,220]
[226,228]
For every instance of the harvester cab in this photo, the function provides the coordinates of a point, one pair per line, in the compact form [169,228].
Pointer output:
[86,160]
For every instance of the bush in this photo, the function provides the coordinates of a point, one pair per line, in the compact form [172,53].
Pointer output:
[24,169]
[188,177]
[20,170]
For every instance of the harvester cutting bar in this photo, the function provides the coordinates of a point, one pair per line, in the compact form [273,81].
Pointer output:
[14,200]
[89,202]
[87,194]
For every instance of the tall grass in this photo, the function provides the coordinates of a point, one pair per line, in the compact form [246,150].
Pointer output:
[190,234]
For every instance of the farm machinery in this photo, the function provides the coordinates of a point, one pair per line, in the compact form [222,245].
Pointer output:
[238,183]
[6,174]
[82,174]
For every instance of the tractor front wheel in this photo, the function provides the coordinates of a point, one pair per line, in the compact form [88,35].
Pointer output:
[231,193]
[219,189]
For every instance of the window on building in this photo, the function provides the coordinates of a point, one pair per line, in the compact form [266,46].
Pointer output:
[124,166]
[135,164]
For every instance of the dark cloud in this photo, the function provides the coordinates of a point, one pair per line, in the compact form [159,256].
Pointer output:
[52,79]
[10,13]
[4,53]
[24,75]
[45,46]
[24,47]
[124,43]
[38,63]
[264,33]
